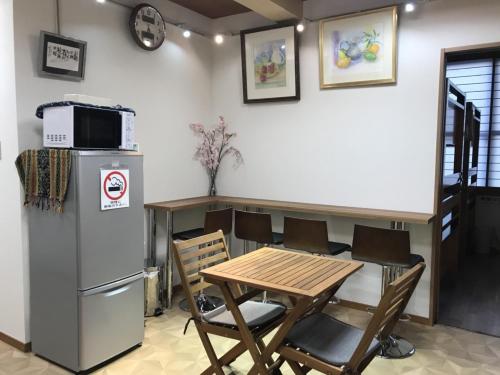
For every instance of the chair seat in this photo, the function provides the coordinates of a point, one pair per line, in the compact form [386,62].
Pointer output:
[256,314]
[188,234]
[328,339]
[413,261]
[335,248]
[277,238]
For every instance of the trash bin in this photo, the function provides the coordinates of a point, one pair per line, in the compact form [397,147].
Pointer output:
[152,291]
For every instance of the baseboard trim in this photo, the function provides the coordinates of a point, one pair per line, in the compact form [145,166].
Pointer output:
[15,343]
[363,307]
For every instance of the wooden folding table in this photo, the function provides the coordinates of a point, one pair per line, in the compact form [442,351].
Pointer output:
[310,281]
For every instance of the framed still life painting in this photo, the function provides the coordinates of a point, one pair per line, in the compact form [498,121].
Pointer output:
[359,49]
[270,64]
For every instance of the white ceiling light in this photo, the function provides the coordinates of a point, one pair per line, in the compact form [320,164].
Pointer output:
[409,7]
[186,34]
[300,27]
[219,39]
[101,1]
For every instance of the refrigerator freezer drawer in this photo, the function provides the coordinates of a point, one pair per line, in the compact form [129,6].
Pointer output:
[111,320]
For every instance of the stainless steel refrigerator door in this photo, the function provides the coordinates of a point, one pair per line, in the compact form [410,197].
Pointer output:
[111,320]
[111,242]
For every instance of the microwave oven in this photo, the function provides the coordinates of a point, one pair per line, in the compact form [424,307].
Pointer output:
[88,127]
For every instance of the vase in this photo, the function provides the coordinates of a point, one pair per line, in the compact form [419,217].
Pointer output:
[212,190]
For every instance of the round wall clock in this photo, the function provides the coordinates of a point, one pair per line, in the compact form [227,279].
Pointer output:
[147,27]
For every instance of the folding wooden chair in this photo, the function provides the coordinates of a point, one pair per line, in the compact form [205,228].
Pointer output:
[325,344]
[261,318]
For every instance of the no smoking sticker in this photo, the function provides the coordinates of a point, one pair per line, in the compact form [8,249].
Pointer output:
[114,188]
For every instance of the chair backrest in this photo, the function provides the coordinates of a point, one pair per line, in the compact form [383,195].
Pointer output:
[379,245]
[390,307]
[304,234]
[253,226]
[219,219]
[191,255]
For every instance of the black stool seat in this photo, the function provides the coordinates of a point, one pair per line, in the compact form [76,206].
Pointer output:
[214,220]
[414,260]
[189,234]
[277,238]
[328,339]
[336,248]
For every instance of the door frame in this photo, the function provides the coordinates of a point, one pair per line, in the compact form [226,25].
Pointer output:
[438,181]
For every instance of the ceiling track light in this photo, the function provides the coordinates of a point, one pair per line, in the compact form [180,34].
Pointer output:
[218,38]
[409,7]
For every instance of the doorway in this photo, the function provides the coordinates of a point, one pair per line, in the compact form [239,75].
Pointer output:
[467,227]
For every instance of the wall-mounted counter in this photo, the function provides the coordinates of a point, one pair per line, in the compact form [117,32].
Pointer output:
[169,207]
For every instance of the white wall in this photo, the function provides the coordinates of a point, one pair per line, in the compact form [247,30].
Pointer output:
[13,297]
[169,88]
[366,147]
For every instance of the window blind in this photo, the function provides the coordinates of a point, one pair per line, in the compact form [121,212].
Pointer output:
[475,78]
[494,160]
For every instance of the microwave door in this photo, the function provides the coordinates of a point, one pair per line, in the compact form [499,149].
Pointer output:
[97,128]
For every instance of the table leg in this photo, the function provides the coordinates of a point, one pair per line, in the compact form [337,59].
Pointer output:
[169,266]
[245,333]
[303,304]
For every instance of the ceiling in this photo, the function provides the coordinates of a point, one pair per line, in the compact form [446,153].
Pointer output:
[213,8]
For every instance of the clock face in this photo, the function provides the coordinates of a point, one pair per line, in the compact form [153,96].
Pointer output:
[147,27]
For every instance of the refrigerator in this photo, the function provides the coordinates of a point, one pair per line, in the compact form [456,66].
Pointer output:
[86,264]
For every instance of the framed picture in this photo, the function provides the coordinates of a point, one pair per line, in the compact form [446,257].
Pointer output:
[62,57]
[359,49]
[270,63]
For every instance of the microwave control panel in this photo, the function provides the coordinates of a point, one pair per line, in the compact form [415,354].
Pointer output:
[56,133]
[128,131]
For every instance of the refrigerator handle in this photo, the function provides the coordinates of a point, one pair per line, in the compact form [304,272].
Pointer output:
[116,287]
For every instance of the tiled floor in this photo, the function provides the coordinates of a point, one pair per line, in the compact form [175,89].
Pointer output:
[440,350]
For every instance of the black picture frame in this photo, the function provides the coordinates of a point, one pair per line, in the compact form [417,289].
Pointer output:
[243,38]
[60,55]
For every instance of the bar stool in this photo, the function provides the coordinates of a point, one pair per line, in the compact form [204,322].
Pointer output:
[256,227]
[214,220]
[389,248]
[311,236]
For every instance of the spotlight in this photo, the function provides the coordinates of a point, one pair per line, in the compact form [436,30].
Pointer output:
[219,39]
[300,27]
[409,7]
[101,1]
[186,34]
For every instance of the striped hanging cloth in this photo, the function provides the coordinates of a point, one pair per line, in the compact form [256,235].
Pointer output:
[45,176]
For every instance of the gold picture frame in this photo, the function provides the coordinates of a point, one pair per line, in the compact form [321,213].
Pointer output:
[352,54]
